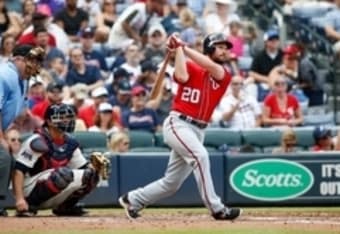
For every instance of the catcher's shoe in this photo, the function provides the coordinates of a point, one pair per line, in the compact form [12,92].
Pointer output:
[3,212]
[31,212]
[228,214]
[129,211]
[76,210]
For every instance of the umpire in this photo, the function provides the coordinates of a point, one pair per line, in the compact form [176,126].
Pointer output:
[25,62]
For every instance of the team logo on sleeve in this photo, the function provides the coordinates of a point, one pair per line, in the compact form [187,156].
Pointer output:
[27,155]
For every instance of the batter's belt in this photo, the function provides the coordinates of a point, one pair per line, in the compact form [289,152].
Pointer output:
[190,120]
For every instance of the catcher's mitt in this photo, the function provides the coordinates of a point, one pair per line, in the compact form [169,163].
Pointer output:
[101,164]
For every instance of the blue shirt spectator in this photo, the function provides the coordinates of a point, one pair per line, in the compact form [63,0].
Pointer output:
[90,76]
[139,117]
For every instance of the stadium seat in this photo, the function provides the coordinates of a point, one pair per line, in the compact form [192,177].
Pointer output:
[264,139]
[141,139]
[159,140]
[91,141]
[304,137]
[215,138]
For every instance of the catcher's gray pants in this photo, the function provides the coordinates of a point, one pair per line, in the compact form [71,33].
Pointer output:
[6,163]
[188,154]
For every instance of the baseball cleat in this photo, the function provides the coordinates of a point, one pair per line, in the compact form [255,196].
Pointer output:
[129,211]
[76,210]
[228,214]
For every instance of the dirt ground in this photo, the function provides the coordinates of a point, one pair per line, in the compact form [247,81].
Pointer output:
[163,220]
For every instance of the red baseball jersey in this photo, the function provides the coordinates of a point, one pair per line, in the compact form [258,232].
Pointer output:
[199,96]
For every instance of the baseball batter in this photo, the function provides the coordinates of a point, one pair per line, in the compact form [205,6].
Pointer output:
[51,171]
[202,81]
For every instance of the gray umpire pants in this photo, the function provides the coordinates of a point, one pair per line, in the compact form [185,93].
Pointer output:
[6,164]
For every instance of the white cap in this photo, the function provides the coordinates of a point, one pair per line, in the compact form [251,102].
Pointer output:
[36,80]
[232,4]
[156,27]
[80,91]
[98,92]
[105,107]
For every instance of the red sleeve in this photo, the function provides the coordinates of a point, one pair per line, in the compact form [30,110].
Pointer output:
[26,39]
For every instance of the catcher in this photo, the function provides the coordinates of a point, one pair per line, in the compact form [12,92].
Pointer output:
[51,171]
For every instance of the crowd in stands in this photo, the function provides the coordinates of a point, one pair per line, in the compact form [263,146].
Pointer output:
[102,57]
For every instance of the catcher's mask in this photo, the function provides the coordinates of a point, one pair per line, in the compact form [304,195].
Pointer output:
[33,57]
[60,116]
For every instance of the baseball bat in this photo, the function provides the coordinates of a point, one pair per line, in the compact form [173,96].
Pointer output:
[156,89]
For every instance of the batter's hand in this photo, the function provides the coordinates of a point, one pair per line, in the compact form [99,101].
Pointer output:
[174,42]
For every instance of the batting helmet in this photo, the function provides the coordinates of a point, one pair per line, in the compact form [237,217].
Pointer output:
[61,116]
[212,39]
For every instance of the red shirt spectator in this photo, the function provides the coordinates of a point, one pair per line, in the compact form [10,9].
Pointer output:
[30,39]
[288,113]
[54,95]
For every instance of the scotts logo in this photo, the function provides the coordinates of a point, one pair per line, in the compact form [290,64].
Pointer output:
[271,179]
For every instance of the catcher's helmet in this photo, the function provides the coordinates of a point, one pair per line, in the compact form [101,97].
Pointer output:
[61,116]
[212,39]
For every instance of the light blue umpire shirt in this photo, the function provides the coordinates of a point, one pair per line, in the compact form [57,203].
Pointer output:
[13,91]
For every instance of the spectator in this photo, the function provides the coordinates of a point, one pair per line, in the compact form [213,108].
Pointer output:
[72,19]
[12,137]
[28,9]
[331,22]
[123,96]
[87,113]
[171,21]
[238,110]
[38,21]
[254,43]
[236,39]
[80,72]
[80,125]
[7,46]
[9,22]
[133,56]
[263,63]
[92,7]
[103,121]
[323,139]
[289,70]
[148,76]
[164,104]
[288,142]
[155,48]
[41,38]
[281,108]
[78,95]
[36,91]
[132,24]
[309,79]
[92,56]
[119,143]
[105,20]
[26,122]
[57,69]
[54,96]
[139,117]
[219,20]
[43,17]
[188,27]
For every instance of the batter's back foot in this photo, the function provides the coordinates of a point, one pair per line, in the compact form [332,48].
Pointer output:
[228,213]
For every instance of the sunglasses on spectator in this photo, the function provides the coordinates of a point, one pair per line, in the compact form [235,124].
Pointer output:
[15,139]
[280,83]
[126,143]
[237,83]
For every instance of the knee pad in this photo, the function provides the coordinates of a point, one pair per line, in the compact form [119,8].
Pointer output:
[61,177]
